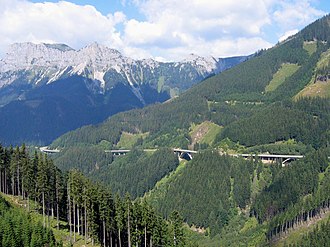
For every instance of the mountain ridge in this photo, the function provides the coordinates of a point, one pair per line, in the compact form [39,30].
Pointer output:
[101,80]
[54,61]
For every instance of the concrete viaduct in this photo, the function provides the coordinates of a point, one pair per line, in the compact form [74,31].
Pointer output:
[188,155]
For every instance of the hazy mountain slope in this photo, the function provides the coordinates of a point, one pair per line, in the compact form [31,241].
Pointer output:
[64,105]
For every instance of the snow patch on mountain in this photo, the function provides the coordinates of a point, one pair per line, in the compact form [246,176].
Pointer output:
[98,75]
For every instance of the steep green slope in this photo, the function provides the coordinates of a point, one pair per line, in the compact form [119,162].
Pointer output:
[212,192]
[216,192]
[319,86]
[206,190]
[297,194]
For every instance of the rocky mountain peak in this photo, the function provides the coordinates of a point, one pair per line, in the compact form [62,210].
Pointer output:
[207,63]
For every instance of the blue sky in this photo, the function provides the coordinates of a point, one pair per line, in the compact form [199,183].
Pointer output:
[107,6]
[161,29]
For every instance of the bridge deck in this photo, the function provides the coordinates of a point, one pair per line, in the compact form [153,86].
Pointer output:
[49,151]
[271,156]
[178,150]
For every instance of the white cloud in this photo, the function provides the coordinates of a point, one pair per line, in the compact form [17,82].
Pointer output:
[142,32]
[174,28]
[293,15]
[287,34]
[296,13]
[224,47]
[61,22]
[171,28]
[203,17]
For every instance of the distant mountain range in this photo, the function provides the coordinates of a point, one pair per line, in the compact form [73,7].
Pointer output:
[49,89]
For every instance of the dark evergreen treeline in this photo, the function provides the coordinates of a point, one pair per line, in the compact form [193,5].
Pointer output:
[90,209]
[114,221]
[18,230]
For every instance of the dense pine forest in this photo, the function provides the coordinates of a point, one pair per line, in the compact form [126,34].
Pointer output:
[90,209]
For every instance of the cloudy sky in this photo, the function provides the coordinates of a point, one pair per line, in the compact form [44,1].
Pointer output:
[162,29]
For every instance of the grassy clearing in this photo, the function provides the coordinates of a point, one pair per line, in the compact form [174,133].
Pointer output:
[204,132]
[214,130]
[286,70]
[128,140]
[317,89]
[323,63]
[310,47]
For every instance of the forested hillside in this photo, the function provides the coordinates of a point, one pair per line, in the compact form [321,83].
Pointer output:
[236,99]
[256,106]
[207,190]
[88,209]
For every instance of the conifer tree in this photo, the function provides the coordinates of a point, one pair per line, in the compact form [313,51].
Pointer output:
[176,227]
[119,217]
[42,184]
